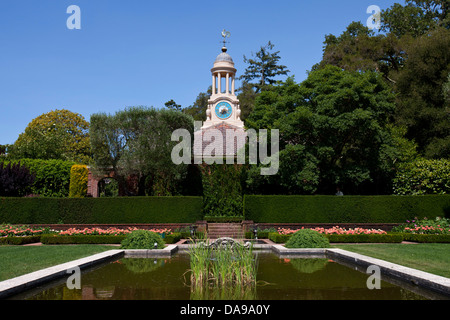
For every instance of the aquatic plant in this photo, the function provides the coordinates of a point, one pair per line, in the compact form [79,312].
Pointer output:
[222,266]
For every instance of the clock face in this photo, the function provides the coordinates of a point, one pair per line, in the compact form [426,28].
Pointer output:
[223,110]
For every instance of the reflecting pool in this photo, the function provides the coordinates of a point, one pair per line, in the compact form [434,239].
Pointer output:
[168,279]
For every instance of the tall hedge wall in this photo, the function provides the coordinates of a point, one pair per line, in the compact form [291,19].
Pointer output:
[346,209]
[100,210]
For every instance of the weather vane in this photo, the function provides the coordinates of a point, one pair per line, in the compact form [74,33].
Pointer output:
[225,35]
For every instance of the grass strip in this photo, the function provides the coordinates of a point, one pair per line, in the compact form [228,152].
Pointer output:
[19,260]
[429,257]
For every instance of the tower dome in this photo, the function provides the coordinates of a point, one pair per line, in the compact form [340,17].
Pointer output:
[224,57]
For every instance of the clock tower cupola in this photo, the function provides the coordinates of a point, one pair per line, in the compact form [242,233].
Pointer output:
[223,105]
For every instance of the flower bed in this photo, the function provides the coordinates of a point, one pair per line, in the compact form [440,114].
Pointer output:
[110,231]
[334,230]
[338,234]
[437,226]
[110,235]
[7,230]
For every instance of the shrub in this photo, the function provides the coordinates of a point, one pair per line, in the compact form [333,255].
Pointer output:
[172,238]
[423,177]
[142,239]
[222,191]
[78,181]
[307,238]
[279,238]
[52,177]
[15,180]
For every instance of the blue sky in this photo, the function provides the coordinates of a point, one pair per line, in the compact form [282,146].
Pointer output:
[145,52]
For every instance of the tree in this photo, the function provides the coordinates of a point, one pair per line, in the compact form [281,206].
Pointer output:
[334,131]
[416,18]
[413,57]
[421,103]
[59,134]
[247,95]
[198,109]
[137,142]
[359,49]
[172,105]
[264,68]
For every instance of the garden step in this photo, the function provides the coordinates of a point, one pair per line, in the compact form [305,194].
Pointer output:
[218,230]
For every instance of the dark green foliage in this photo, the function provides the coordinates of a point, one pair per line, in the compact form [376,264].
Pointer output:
[307,238]
[279,238]
[346,209]
[334,131]
[100,210]
[222,190]
[173,237]
[142,239]
[421,104]
[15,180]
[52,177]
[412,55]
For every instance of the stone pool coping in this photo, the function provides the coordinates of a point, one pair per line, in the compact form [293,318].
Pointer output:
[416,277]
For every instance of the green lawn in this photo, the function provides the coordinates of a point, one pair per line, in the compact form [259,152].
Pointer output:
[19,260]
[429,257]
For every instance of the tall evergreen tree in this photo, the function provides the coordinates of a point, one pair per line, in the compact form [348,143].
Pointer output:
[264,67]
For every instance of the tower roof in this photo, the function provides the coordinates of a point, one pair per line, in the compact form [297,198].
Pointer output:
[224,56]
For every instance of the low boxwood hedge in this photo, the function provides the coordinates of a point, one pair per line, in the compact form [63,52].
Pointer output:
[82,239]
[17,241]
[172,238]
[261,235]
[279,238]
[365,238]
[427,238]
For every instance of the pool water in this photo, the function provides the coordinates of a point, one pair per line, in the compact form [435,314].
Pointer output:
[168,279]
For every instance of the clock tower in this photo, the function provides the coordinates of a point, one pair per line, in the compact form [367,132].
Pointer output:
[223,105]
[223,133]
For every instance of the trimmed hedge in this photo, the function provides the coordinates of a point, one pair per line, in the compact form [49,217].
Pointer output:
[172,238]
[82,239]
[365,238]
[427,238]
[118,210]
[279,238]
[346,209]
[17,241]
